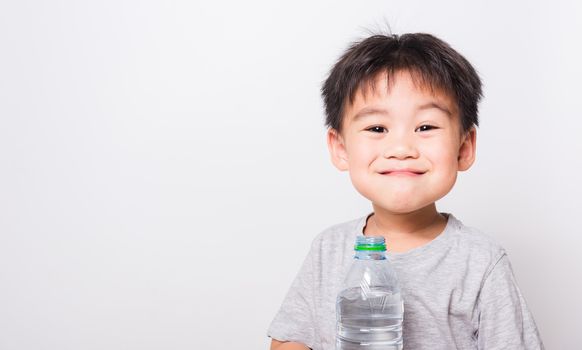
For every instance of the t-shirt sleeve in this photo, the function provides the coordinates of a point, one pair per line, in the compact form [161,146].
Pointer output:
[505,321]
[295,320]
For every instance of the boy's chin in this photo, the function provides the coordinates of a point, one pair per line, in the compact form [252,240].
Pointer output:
[402,208]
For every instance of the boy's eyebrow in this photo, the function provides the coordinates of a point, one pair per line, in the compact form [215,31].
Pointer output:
[380,111]
[436,105]
[370,110]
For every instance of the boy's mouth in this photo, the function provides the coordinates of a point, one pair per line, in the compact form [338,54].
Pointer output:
[408,172]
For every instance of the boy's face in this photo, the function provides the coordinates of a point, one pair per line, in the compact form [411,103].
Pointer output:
[402,144]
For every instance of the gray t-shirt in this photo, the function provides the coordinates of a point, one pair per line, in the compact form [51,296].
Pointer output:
[459,293]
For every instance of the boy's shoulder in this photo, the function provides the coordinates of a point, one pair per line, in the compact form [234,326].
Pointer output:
[473,241]
[338,236]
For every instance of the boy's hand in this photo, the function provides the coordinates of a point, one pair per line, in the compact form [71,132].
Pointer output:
[279,345]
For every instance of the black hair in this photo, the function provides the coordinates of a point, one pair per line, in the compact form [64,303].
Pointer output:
[429,60]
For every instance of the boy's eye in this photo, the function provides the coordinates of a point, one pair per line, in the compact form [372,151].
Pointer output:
[377,129]
[426,128]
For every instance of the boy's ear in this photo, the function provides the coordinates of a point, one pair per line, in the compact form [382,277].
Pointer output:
[467,150]
[337,149]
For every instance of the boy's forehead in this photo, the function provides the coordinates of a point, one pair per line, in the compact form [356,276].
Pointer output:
[380,86]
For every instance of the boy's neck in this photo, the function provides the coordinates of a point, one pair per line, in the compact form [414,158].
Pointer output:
[406,231]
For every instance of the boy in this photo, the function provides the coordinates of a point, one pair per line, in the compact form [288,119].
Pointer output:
[402,117]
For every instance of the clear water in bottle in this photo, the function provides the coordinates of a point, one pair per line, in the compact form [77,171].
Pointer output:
[370,322]
[370,309]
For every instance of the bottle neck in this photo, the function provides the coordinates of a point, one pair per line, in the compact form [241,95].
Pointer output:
[370,248]
[370,255]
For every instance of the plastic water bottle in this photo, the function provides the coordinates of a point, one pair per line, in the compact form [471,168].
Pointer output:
[369,309]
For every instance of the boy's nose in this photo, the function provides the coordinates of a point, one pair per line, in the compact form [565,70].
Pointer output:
[401,149]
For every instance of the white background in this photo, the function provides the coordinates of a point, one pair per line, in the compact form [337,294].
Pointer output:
[163,166]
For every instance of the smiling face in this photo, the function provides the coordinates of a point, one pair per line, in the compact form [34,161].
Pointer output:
[402,144]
